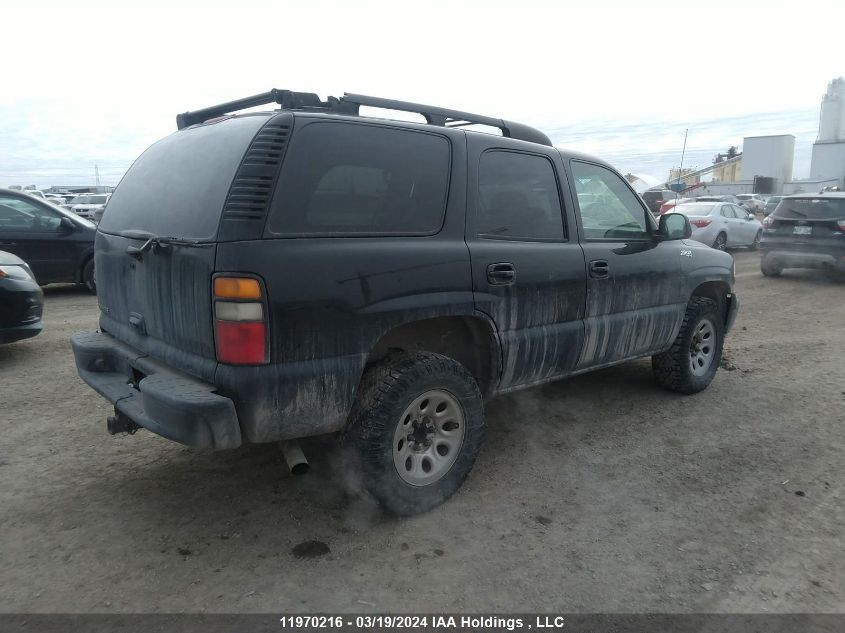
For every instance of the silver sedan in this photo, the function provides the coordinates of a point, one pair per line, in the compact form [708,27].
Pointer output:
[722,224]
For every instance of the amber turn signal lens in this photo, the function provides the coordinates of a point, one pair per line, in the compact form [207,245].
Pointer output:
[236,288]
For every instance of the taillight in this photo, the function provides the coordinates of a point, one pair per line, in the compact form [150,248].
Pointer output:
[701,223]
[768,221]
[240,321]
[840,225]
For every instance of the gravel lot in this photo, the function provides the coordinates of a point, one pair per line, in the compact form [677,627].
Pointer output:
[600,493]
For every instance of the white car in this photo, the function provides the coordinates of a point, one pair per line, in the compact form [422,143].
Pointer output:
[754,202]
[86,204]
[722,224]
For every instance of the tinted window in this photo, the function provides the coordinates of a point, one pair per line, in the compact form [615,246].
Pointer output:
[179,185]
[21,215]
[361,179]
[518,197]
[810,209]
[608,208]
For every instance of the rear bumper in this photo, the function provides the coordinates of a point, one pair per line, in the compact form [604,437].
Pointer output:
[804,259]
[167,402]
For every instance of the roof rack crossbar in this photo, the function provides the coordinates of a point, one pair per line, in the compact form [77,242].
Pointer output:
[349,104]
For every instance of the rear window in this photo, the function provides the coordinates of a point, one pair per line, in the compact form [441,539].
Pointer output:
[177,188]
[352,179]
[695,209]
[810,209]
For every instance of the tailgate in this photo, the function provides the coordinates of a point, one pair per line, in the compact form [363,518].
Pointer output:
[159,304]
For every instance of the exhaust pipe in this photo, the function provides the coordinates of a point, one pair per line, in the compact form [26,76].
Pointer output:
[294,457]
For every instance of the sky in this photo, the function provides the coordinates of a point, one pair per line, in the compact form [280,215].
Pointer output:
[96,83]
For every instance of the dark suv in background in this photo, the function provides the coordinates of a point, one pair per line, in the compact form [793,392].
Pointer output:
[312,271]
[805,231]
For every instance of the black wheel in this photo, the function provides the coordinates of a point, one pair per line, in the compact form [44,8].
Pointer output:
[417,426]
[721,242]
[756,243]
[770,268]
[89,277]
[690,364]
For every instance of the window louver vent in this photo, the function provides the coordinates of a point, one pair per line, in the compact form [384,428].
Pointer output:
[250,193]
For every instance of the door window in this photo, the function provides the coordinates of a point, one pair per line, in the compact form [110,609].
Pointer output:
[727,211]
[22,216]
[518,197]
[608,207]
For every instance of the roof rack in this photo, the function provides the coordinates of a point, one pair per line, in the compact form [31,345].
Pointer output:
[350,103]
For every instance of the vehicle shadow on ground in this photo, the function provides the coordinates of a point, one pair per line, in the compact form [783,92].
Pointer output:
[213,491]
[60,290]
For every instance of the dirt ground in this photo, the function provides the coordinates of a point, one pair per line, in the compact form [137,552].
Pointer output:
[602,493]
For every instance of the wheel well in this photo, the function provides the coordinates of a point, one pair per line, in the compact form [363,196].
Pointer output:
[468,340]
[719,291]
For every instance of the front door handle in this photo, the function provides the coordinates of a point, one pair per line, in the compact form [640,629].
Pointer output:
[599,269]
[7,243]
[501,274]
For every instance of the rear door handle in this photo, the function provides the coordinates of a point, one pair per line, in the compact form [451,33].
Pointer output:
[501,274]
[599,269]
[7,243]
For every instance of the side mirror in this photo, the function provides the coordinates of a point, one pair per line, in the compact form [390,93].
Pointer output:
[66,225]
[674,226]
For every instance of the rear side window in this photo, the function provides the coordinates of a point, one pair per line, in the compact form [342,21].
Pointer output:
[348,179]
[810,209]
[518,197]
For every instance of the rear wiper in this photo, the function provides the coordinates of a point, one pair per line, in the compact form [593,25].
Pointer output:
[158,243]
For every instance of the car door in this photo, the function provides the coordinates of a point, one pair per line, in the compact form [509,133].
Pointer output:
[746,228]
[527,268]
[34,232]
[634,303]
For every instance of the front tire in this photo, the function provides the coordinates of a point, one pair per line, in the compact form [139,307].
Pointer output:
[89,277]
[756,243]
[417,427]
[691,363]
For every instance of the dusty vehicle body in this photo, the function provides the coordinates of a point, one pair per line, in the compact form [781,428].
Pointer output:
[443,285]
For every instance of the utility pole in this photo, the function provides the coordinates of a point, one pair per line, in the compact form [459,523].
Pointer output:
[97,174]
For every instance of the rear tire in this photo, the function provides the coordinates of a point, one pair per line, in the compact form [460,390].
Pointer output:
[770,268]
[412,410]
[89,277]
[691,363]
[721,242]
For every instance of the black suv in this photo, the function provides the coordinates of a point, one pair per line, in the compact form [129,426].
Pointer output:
[805,231]
[274,276]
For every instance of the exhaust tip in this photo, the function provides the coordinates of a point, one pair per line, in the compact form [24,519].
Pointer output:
[294,457]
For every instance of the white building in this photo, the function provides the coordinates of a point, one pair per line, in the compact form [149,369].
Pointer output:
[828,161]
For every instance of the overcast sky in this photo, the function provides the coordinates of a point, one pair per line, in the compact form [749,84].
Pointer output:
[88,83]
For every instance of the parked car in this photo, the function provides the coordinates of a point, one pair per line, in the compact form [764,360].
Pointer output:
[668,206]
[397,276]
[21,300]
[752,202]
[58,245]
[87,205]
[805,231]
[771,204]
[720,198]
[655,198]
[35,193]
[722,225]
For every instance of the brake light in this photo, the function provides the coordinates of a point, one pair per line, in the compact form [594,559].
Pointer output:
[768,221]
[701,223]
[240,321]
[840,225]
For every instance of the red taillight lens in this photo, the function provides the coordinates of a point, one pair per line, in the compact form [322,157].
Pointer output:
[701,223]
[840,225]
[241,343]
[240,327]
[768,221]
